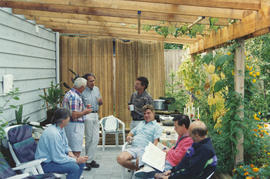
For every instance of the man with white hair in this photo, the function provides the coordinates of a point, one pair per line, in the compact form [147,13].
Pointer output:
[73,102]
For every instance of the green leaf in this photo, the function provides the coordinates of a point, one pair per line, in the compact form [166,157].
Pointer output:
[147,27]
[221,60]
[12,106]
[172,29]
[207,58]
[219,86]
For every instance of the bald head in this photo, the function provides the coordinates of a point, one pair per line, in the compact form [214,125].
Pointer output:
[198,130]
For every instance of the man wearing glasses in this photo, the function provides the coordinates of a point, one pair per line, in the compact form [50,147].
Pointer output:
[91,99]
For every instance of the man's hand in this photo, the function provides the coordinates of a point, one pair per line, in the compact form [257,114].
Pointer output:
[71,154]
[161,176]
[87,111]
[82,159]
[129,139]
[167,173]
[100,102]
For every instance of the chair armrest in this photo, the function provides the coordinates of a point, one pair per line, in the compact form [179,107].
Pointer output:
[19,176]
[29,164]
[125,146]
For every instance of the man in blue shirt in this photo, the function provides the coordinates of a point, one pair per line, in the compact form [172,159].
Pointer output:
[146,131]
[92,99]
[53,145]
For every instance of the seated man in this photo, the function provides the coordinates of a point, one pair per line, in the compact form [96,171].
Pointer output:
[54,147]
[176,153]
[200,160]
[146,131]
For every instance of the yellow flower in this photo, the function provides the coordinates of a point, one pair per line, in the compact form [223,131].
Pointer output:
[254,75]
[222,75]
[250,73]
[258,73]
[234,170]
[248,177]
[255,135]
[246,173]
[229,53]
[259,126]
[233,73]
[255,169]
[255,115]
[254,80]
[259,113]
[268,153]
[251,165]
[247,67]
[251,68]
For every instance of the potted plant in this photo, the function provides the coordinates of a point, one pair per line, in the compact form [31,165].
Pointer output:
[53,97]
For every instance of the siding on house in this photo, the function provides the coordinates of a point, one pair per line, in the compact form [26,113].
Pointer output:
[29,54]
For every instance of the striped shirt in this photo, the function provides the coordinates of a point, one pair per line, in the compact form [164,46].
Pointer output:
[73,102]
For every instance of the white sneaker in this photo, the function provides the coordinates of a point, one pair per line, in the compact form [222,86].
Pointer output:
[145,172]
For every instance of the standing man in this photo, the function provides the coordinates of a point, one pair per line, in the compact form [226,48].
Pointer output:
[91,97]
[75,129]
[139,99]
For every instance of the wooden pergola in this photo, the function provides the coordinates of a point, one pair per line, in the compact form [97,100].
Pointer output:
[119,19]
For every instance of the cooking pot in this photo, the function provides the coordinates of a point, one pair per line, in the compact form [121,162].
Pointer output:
[159,104]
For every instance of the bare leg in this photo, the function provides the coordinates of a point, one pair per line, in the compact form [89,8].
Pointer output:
[124,159]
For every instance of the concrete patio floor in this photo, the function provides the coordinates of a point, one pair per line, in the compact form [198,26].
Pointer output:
[109,168]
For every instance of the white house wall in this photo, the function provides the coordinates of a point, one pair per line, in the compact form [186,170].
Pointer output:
[29,54]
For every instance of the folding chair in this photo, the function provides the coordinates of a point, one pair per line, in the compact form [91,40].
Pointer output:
[209,168]
[22,147]
[110,125]
[9,173]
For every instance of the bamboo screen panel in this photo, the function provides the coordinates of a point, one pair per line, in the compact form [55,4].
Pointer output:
[89,55]
[134,59]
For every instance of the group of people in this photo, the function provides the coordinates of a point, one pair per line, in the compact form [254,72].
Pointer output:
[61,143]
[192,156]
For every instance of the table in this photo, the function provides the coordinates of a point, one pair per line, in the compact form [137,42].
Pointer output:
[169,136]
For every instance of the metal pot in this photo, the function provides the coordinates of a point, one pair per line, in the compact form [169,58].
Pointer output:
[159,104]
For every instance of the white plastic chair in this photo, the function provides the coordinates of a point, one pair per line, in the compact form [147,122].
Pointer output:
[110,125]
[31,167]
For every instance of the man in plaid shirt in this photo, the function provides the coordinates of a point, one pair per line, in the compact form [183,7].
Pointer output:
[75,129]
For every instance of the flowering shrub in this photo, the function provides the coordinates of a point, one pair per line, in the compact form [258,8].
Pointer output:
[211,80]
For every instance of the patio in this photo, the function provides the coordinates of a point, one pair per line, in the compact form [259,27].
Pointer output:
[109,168]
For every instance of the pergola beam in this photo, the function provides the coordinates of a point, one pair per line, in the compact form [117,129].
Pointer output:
[114,32]
[255,22]
[231,4]
[150,19]
[119,5]
[120,36]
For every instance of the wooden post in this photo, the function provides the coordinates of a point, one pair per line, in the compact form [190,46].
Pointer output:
[239,78]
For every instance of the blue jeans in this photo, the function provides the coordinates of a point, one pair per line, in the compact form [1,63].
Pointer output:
[72,169]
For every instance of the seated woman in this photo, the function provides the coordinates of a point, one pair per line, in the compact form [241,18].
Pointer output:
[54,147]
